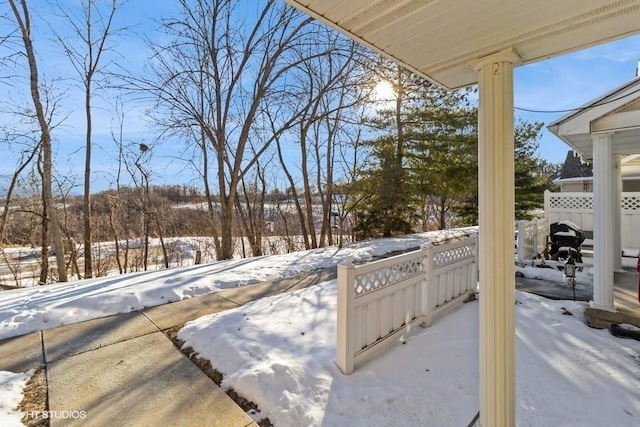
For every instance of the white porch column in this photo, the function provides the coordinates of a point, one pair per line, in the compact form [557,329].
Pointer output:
[496,224]
[603,213]
[617,214]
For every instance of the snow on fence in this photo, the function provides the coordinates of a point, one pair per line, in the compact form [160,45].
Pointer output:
[578,208]
[532,238]
[381,301]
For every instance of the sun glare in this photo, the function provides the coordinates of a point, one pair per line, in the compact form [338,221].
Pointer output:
[384,91]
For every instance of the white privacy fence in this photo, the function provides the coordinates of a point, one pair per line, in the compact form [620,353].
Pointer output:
[532,238]
[578,208]
[381,301]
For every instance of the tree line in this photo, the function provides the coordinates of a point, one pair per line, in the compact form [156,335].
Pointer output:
[276,114]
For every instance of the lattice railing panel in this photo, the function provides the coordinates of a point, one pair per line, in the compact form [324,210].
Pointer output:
[564,207]
[377,279]
[453,255]
[571,202]
[382,301]
[584,201]
[631,203]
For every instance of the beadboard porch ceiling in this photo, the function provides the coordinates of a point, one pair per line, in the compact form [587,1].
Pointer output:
[438,39]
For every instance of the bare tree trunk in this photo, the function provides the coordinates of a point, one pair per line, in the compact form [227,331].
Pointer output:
[295,197]
[208,196]
[154,213]
[308,196]
[113,210]
[146,218]
[145,232]
[126,255]
[443,213]
[69,242]
[86,200]
[226,220]
[24,23]
[252,213]
[115,203]
[44,244]
[85,58]
[325,193]
[424,213]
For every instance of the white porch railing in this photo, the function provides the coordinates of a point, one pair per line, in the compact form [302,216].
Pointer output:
[578,208]
[381,301]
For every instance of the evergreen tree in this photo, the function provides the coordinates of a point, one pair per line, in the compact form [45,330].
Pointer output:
[443,153]
[529,182]
[387,207]
[533,175]
[423,161]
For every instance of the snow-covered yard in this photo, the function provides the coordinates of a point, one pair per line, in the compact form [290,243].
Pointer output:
[280,351]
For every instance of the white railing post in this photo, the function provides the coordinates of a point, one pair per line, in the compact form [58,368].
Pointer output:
[547,202]
[474,280]
[522,254]
[534,237]
[345,332]
[543,233]
[426,285]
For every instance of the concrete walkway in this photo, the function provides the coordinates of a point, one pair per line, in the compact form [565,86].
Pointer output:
[122,370]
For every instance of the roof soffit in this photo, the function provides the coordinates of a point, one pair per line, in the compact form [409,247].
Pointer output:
[439,38]
[616,121]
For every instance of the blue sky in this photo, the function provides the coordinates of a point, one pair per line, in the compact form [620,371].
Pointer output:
[571,80]
[557,84]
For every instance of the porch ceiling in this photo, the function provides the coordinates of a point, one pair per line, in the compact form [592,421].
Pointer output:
[616,112]
[438,38]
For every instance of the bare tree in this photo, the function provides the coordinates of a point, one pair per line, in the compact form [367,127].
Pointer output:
[251,209]
[26,157]
[332,87]
[115,202]
[242,63]
[91,29]
[133,166]
[65,185]
[24,23]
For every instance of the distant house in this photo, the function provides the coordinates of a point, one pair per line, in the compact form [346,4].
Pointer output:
[577,174]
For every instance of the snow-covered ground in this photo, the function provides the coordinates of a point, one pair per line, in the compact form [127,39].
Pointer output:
[11,386]
[21,265]
[30,309]
[280,351]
